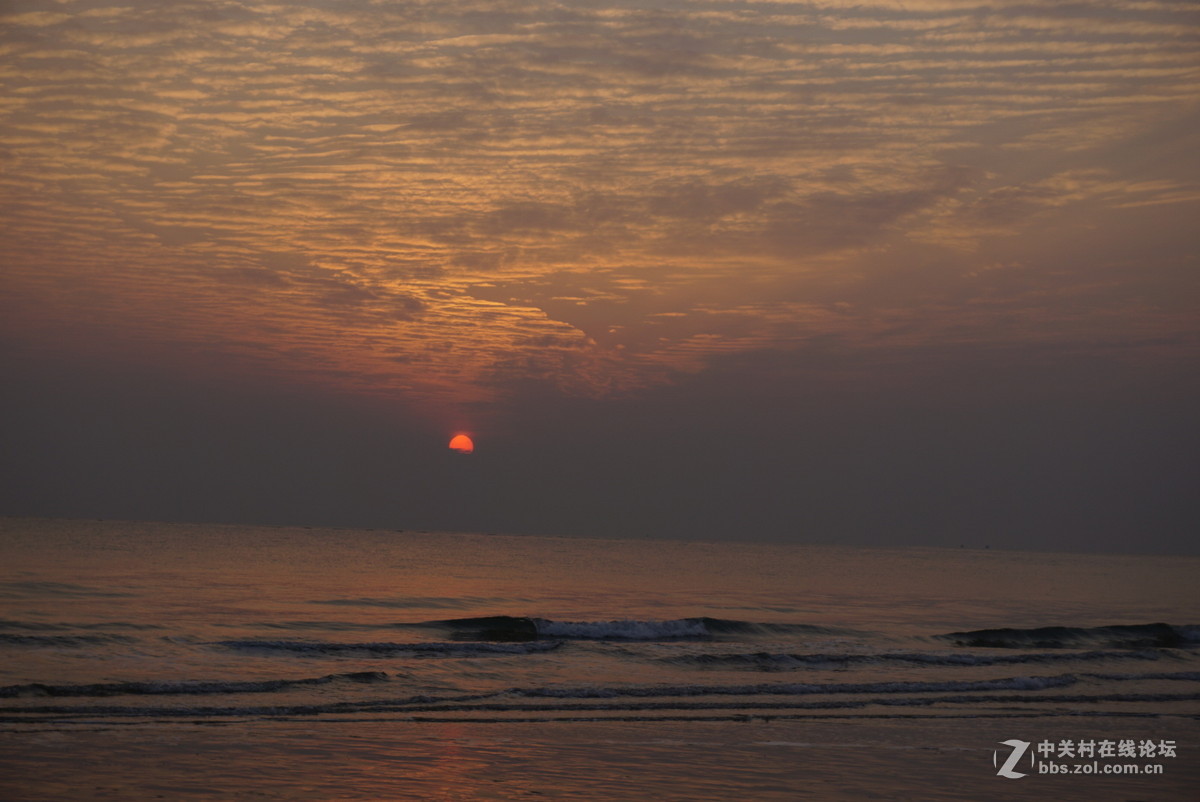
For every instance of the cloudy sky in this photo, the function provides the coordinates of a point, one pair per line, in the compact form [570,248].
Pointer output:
[889,272]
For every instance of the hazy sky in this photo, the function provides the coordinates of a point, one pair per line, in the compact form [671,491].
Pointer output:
[892,272]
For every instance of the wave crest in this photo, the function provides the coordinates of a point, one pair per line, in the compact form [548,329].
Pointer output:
[1117,636]
[527,628]
[73,641]
[768,661]
[623,629]
[389,649]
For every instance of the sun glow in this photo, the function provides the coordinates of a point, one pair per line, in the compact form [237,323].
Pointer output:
[462,444]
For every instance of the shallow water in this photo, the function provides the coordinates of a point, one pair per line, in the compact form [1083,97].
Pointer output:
[225,661]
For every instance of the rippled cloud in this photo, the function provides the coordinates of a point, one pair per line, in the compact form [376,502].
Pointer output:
[437,200]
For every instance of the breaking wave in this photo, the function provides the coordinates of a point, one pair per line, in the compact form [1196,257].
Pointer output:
[1117,636]
[767,661]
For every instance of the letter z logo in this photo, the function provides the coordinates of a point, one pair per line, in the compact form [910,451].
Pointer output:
[1018,749]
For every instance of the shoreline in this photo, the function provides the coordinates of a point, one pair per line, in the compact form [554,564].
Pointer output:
[938,758]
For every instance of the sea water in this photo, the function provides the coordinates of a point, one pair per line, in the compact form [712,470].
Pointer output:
[140,660]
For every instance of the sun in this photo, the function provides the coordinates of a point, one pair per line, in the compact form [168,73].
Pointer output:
[462,444]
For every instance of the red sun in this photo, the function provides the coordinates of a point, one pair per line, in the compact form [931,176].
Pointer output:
[462,444]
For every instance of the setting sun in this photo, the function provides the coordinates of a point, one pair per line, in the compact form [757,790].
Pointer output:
[462,444]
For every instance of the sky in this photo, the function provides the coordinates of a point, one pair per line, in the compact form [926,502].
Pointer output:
[893,272]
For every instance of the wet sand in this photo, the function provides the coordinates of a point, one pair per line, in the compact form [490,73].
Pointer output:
[830,759]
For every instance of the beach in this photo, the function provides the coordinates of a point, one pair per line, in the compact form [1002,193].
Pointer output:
[936,759]
[211,662]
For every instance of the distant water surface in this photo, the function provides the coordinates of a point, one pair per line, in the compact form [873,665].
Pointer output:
[392,647]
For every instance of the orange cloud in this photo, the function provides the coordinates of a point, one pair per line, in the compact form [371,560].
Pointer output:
[436,202]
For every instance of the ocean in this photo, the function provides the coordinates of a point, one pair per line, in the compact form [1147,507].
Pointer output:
[181,661]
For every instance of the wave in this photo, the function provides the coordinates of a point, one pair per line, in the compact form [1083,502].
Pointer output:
[1116,636]
[625,629]
[796,689]
[504,628]
[39,626]
[62,640]
[619,710]
[325,626]
[411,602]
[390,649]
[527,628]
[183,687]
[776,708]
[1015,696]
[767,661]
[34,589]
[1185,676]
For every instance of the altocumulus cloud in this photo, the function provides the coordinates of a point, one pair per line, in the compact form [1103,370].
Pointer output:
[443,201]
